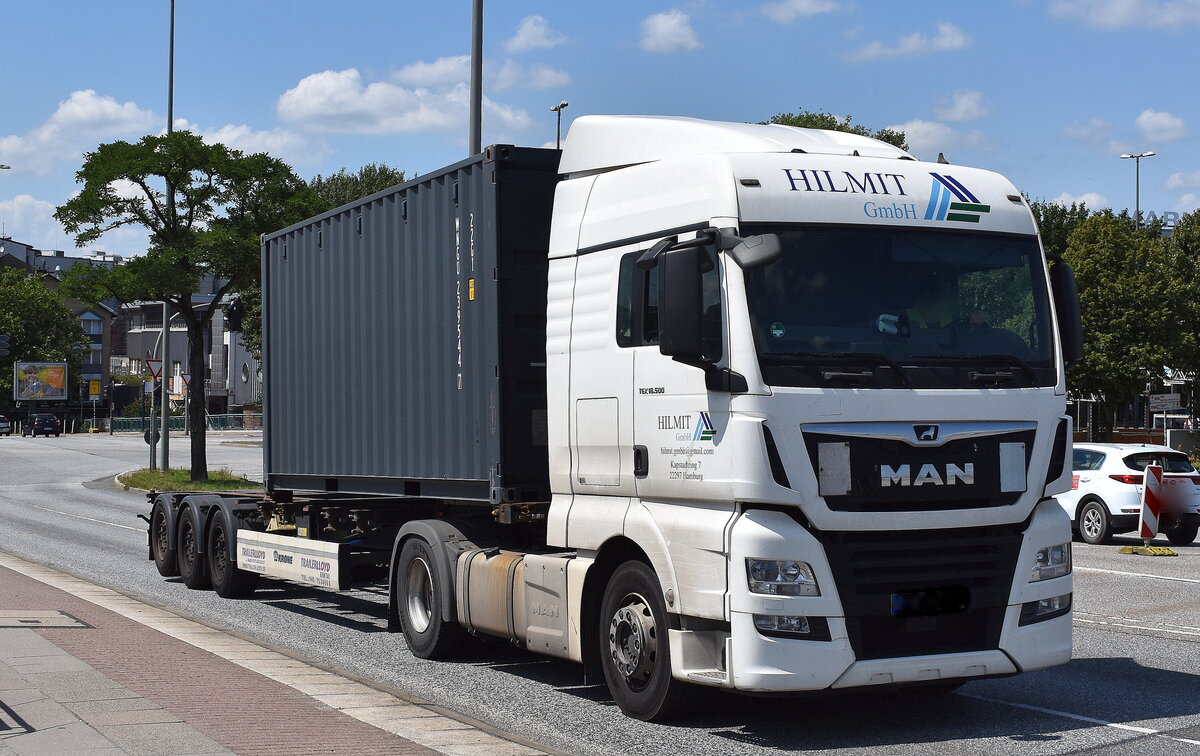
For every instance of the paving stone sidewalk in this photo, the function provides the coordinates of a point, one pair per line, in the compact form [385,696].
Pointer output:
[76,677]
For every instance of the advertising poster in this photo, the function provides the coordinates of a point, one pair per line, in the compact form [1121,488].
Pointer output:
[39,380]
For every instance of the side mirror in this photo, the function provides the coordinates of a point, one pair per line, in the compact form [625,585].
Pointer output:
[1066,303]
[757,251]
[681,304]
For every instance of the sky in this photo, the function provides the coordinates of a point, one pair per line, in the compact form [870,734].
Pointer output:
[1047,92]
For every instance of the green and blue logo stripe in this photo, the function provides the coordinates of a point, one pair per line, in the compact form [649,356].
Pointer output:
[942,205]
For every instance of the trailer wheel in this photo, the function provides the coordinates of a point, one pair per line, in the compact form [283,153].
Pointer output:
[420,604]
[227,580]
[160,542]
[635,652]
[191,559]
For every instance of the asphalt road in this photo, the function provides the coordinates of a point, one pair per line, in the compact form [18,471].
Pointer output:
[1133,686]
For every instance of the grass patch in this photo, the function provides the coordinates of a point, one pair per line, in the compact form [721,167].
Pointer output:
[180,480]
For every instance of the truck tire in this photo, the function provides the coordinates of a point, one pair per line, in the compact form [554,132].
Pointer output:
[419,597]
[634,650]
[160,542]
[1094,526]
[191,559]
[1182,535]
[227,580]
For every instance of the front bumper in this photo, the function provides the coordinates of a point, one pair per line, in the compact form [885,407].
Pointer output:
[883,650]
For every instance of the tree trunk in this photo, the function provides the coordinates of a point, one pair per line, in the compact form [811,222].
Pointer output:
[196,398]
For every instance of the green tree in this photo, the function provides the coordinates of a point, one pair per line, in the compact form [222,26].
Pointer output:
[205,206]
[336,190]
[1056,222]
[821,120]
[1130,296]
[39,326]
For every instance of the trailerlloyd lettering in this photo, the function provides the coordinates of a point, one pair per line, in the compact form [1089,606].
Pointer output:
[927,475]
[845,182]
[314,564]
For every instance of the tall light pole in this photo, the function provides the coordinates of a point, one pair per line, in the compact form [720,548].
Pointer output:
[558,129]
[1137,187]
[475,129]
[166,308]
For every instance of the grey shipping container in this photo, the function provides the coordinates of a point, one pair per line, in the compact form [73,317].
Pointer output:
[404,337]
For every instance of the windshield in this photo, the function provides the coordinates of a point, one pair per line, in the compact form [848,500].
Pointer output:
[901,308]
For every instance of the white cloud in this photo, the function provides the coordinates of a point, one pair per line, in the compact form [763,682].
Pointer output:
[1188,203]
[948,37]
[441,72]
[1183,180]
[340,102]
[1156,126]
[1093,200]
[787,11]
[31,220]
[537,76]
[1097,133]
[288,146]
[668,32]
[963,106]
[533,32]
[80,123]
[1118,14]
[927,138]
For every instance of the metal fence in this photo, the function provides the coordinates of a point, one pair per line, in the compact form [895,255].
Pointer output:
[211,422]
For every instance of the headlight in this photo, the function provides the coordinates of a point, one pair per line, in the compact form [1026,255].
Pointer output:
[1051,562]
[781,577]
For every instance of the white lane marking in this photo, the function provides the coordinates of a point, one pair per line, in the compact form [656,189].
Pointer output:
[1135,574]
[1136,627]
[89,519]
[407,718]
[1080,718]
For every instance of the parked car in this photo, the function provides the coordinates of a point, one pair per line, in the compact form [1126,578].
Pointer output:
[42,423]
[1106,491]
[5,426]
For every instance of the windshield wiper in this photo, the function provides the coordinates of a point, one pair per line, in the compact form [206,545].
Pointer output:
[875,358]
[994,375]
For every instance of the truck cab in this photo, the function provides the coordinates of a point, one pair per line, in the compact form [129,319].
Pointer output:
[818,387]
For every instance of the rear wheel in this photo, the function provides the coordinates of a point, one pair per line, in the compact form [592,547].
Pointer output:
[634,648]
[227,580]
[1094,526]
[191,559]
[1182,535]
[419,596]
[160,543]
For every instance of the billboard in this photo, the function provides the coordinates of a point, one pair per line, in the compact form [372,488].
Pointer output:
[39,380]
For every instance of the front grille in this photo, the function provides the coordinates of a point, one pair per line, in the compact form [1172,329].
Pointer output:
[870,568]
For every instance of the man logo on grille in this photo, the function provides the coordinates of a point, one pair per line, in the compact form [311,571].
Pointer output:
[926,432]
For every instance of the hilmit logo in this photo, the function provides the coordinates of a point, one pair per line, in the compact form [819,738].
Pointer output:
[944,189]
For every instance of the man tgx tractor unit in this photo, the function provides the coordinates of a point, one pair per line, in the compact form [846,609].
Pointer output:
[752,407]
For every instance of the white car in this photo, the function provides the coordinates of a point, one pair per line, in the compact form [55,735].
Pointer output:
[1106,491]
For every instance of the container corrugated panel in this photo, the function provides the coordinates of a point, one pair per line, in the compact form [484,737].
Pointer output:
[404,337]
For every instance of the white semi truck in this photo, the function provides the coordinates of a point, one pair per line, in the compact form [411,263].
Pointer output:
[752,407]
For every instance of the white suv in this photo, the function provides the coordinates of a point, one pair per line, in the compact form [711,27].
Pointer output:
[1106,491]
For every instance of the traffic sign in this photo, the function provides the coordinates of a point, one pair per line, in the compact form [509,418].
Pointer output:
[1163,402]
[155,367]
[187,377]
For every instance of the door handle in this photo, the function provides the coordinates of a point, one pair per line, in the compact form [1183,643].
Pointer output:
[641,462]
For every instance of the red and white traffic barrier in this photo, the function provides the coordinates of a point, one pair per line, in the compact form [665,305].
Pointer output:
[1152,502]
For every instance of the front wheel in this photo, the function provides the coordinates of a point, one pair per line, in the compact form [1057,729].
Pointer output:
[634,647]
[1094,525]
[419,596]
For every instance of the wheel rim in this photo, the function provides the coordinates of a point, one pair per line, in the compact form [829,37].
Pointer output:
[218,554]
[187,547]
[1092,524]
[633,640]
[418,595]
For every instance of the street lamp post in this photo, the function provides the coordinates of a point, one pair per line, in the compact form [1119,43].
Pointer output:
[558,109]
[1137,186]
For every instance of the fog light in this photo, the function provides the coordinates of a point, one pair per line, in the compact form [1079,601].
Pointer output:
[1051,562]
[1044,609]
[781,577]
[772,623]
